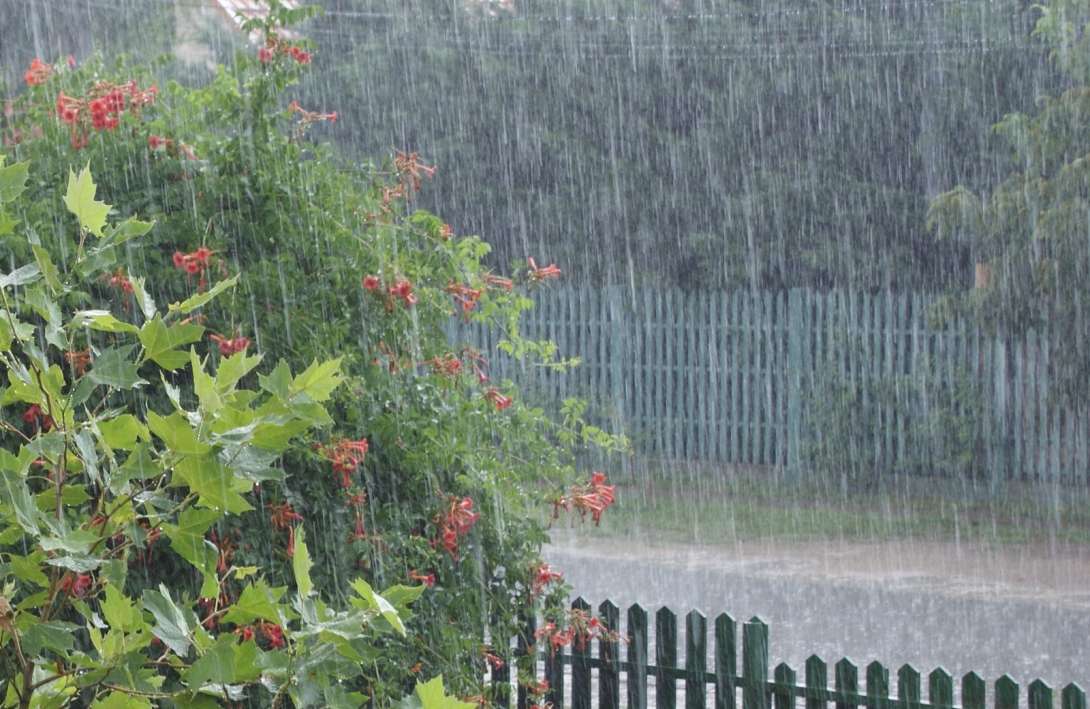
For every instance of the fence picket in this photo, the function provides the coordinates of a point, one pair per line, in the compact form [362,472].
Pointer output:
[1072,697]
[696,650]
[1006,693]
[940,688]
[637,657]
[580,664]
[609,652]
[726,662]
[847,684]
[973,690]
[665,658]
[877,686]
[783,696]
[908,687]
[817,683]
[754,664]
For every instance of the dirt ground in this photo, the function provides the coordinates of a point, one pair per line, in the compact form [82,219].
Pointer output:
[1056,575]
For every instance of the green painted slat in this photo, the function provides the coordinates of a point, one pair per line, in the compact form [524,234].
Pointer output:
[903,345]
[721,319]
[768,369]
[665,658]
[940,688]
[1032,400]
[580,664]
[817,679]
[637,658]
[796,332]
[783,674]
[726,661]
[609,652]
[1018,464]
[877,686]
[1006,693]
[696,664]
[735,378]
[908,687]
[973,690]
[746,396]
[846,678]
[666,363]
[1072,697]
[754,664]
[1040,695]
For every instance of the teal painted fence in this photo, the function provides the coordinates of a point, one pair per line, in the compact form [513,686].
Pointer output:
[785,378]
[612,660]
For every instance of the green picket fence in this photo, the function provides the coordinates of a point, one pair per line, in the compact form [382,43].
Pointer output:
[611,660]
[783,378]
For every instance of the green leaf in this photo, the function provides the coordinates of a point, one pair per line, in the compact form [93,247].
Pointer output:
[301,563]
[145,301]
[173,625]
[21,276]
[80,563]
[257,602]
[432,695]
[7,224]
[187,539]
[318,380]
[278,382]
[204,385]
[80,200]
[13,180]
[122,700]
[161,343]
[214,483]
[102,320]
[121,613]
[191,304]
[225,663]
[177,434]
[55,635]
[29,568]
[15,491]
[112,369]
[372,601]
[45,263]
[234,368]
[128,229]
[122,432]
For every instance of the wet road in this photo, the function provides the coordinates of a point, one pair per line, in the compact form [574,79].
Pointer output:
[1022,610]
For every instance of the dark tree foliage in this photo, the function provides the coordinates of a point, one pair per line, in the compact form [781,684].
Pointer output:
[697,144]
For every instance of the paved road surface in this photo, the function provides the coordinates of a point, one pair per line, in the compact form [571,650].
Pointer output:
[1021,610]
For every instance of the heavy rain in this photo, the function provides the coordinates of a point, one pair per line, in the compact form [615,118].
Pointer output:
[802,281]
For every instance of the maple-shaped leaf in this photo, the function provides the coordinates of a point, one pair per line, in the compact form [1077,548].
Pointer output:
[80,200]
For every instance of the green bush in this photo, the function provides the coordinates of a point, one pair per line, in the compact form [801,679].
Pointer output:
[415,468]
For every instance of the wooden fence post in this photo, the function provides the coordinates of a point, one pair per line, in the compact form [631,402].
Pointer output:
[726,661]
[755,665]
[665,659]
[817,683]
[973,689]
[580,664]
[1006,693]
[696,649]
[609,652]
[877,686]
[637,658]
